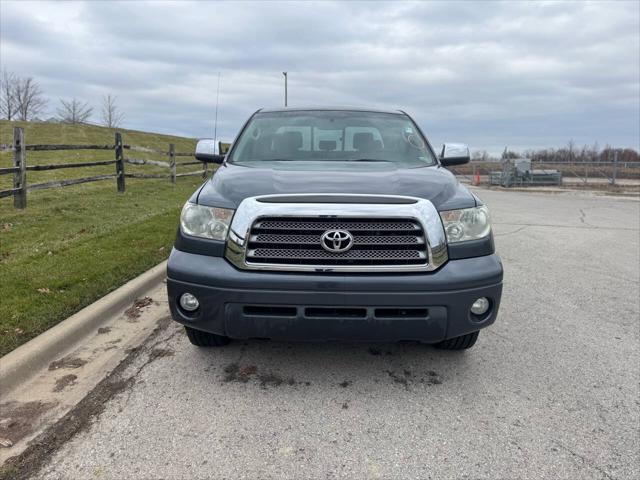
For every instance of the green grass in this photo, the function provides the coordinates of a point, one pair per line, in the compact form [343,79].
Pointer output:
[72,245]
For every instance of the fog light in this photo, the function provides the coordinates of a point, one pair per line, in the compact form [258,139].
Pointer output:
[189,302]
[480,306]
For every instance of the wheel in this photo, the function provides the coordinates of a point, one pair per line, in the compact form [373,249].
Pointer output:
[205,339]
[459,343]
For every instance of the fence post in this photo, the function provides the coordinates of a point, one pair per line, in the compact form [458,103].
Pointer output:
[205,170]
[586,172]
[19,161]
[119,163]
[615,167]
[172,162]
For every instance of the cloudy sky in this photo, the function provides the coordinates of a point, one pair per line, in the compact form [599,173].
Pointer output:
[487,74]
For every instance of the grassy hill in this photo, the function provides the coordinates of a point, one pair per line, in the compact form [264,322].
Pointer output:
[72,245]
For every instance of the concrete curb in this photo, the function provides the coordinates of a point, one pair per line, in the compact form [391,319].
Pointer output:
[28,359]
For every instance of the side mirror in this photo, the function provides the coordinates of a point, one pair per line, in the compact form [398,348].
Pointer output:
[206,151]
[454,154]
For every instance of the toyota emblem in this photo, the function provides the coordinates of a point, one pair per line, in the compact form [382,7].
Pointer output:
[336,241]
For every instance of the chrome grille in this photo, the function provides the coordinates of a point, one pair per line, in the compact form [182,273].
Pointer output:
[266,238]
[297,241]
[310,224]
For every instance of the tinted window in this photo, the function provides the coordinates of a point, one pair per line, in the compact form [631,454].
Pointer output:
[332,136]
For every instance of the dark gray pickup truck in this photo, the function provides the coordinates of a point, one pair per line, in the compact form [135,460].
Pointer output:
[334,224]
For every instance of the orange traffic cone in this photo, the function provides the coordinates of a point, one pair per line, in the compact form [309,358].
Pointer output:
[476,179]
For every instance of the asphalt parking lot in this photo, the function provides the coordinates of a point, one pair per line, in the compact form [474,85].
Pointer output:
[550,391]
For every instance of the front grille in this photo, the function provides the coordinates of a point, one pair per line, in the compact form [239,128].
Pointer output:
[297,241]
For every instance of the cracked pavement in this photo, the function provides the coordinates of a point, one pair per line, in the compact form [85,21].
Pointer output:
[550,391]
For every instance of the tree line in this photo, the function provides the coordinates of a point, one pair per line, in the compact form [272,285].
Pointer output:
[567,154]
[22,98]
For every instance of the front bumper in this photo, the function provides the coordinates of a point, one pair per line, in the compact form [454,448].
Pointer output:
[427,307]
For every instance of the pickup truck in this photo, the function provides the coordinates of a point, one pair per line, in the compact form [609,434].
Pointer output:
[334,224]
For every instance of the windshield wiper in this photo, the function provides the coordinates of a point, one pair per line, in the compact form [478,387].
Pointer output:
[368,160]
[281,160]
[325,160]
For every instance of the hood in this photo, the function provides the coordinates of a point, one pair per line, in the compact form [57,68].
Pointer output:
[233,183]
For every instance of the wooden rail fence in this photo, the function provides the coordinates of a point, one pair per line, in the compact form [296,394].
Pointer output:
[20,167]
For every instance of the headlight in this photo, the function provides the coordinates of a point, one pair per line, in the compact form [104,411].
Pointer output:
[466,224]
[205,222]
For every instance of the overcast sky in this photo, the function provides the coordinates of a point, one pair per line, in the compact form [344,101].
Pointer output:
[487,74]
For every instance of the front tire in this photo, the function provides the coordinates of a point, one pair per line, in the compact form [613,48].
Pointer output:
[459,343]
[205,339]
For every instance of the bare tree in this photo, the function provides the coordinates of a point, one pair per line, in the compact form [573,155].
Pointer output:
[112,117]
[74,111]
[29,98]
[509,154]
[8,101]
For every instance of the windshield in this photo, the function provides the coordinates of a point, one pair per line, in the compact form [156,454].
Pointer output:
[338,136]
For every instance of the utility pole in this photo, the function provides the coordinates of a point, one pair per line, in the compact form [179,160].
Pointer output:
[285,88]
